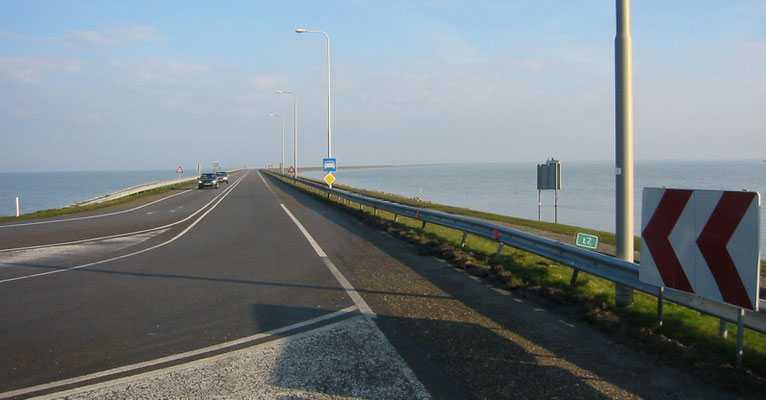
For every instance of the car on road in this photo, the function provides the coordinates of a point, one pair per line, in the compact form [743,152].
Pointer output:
[223,176]
[207,179]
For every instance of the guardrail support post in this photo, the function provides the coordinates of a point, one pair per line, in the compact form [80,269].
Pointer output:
[499,249]
[740,334]
[361,207]
[723,329]
[462,241]
[575,273]
[375,211]
[423,227]
[660,302]
[396,217]
[17,207]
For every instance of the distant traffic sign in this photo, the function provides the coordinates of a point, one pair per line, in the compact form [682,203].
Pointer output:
[329,179]
[179,170]
[329,164]
[586,240]
[291,170]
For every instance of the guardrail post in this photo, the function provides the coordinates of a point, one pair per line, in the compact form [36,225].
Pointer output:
[17,207]
[740,334]
[462,241]
[660,301]
[375,211]
[396,217]
[723,329]
[499,249]
[575,273]
[423,227]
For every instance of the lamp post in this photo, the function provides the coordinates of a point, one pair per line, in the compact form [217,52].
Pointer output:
[329,97]
[295,130]
[282,164]
[623,71]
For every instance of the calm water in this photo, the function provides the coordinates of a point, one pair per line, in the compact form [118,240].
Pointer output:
[46,190]
[586,198]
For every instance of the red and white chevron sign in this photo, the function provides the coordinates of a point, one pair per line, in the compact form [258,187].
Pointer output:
[704,242]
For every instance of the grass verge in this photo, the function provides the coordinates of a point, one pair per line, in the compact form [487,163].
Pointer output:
[687,339]
[56,212]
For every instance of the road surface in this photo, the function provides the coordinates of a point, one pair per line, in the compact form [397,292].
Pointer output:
[259,290]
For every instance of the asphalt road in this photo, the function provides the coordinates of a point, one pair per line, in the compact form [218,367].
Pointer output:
[259,290]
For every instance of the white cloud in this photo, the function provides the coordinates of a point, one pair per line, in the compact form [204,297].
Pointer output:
[114,36]
[266,81]
[527,64]
[33,69]
[159,71]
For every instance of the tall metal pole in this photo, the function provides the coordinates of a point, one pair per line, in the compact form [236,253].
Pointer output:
[282,164]
[623,47]
[295,130]
[329,96]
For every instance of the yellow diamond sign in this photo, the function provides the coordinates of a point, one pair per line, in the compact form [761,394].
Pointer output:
[329,179]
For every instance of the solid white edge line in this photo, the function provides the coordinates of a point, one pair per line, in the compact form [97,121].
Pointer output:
[164,360]
[344,283]
[40,246]
[222,196]
[303,230]
[265,183]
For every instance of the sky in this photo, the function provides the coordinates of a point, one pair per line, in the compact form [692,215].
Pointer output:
[139,85]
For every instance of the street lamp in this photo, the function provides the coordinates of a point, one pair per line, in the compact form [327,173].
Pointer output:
[282,164]
[295,130]
[329,97]
[623,71]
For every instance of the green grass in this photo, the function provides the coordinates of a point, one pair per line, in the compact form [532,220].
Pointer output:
[56,212]
[686,337]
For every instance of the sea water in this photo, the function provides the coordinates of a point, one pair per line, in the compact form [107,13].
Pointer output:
[587,197]
[45,190]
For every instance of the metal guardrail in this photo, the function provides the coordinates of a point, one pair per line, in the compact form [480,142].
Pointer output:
[132,190]
[597,264]
[137,189]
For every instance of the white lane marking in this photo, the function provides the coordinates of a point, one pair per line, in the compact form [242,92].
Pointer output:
[128,233]
[308,236]
[93,216]
[223,196]
[163,360]
[344,283]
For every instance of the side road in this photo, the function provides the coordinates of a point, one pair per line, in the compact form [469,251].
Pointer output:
[464,339]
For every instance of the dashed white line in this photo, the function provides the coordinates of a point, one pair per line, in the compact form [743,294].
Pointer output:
[224,193]
[222,196]
[92,216]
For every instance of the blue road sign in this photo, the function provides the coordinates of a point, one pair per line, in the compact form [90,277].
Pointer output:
[329,164]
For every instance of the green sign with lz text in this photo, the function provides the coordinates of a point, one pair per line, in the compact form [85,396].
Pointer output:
[586,240]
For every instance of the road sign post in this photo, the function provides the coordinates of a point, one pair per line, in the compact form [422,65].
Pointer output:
[549,178]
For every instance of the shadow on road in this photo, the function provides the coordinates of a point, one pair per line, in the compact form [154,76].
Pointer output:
[465,340]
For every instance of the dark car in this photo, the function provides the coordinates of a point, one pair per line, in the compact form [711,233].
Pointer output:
[223,176]
[208,179]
